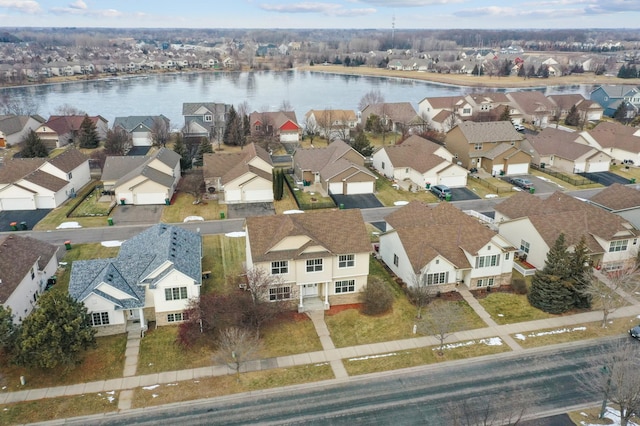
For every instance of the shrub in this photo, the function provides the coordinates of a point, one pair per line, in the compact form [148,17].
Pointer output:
[376,297]
[519,285]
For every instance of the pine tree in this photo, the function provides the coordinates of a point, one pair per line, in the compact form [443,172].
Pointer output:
[180,149]
[278,184]
[362,145]
[551,288]
[505,115]
[33,146]
[88,135]
[204,148]
[580,274]
[234,128]
[573,117]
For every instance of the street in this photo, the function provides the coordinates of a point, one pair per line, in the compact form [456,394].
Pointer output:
[542,380]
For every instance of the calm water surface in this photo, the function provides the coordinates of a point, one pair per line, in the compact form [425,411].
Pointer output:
[303,90]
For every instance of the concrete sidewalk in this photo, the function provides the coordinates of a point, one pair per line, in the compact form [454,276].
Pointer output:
[335,356]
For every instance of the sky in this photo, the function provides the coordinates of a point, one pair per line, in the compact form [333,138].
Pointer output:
[403,14]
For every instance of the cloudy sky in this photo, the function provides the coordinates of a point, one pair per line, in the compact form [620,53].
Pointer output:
[408,14]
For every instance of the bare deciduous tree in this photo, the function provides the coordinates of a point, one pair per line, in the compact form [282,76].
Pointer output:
[160,132]
[441,320]
[193,183]
[420,294]
[311,130]
[487,410]
[267,294]
[606,295]
[372,97]
[67,109]
[236,346]
[117,142]
[285,106]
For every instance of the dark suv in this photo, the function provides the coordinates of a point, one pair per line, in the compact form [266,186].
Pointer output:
[441,191]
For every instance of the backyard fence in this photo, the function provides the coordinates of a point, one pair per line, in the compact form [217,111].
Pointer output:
[571,180]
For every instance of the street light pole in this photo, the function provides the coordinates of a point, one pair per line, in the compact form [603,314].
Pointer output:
[605,370]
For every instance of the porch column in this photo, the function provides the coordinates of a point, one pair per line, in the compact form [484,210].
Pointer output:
[143,324]
[326,295]
[300,305]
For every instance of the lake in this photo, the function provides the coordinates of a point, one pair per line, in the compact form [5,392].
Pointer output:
[264,90]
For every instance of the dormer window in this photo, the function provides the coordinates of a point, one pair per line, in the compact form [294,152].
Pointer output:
[208,118]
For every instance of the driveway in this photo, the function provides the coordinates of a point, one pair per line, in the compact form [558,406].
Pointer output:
[542,185]
[139,150]
[359,201]
[606,178]
[135,215]
[463,194]
[235,211]
[31,217]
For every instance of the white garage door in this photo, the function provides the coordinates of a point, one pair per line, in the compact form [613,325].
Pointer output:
[518,169]
[354,188]
[17,204]
[258,195]
[602,166]
[151,198]
[453,181]
[141,140]
[335,188]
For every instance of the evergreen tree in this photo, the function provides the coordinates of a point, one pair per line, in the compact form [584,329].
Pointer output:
[521,71]
[55,334]
[278,184]
[505,115]
[362,145]
[551,288]
[180,149]
[7,329]
[247,125]
[580,274]
[232,132]
[204,148]
[33,146]
[573,117]
[88,134]
[505,70]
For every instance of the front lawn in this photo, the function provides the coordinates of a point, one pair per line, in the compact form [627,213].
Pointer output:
[182,207]
[506,308]
[60,214]
[292,334]
[224,257]
[388,195]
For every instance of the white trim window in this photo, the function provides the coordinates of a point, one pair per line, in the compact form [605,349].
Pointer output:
[435,278]
[314,265]
[524,246]
[280,267]
[177,317]
[396,259]
[346,261]
[487,282]
[345,286]
[487,261]
[280,293]
[175,293]
[618,245]
[208,118]
[99,318]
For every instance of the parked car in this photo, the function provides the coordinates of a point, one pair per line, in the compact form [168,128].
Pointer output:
[519,127]
[521,182]
[441,191]
[635,332]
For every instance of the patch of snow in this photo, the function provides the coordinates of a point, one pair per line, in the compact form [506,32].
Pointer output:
[321,364]
[492,341]
[500,315]
[236,234]
[193,219]
[543,178]
[172,384]
[400,203]
[373,356]
[69,225]
[612,415]
[154,395]
[296,189]
[111,392]
[560,186]
[491,196]
[550,332]
[114,243]
[152,387]
[293,211]
[520,336]
[111,399]
[515,188]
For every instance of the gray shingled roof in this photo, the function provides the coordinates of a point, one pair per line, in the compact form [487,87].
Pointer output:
[494,131]
[123,169]
[132,122]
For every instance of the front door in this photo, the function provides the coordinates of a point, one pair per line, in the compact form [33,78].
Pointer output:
[309,290]
[134,315]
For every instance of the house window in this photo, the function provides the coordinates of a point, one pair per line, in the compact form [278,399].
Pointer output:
[280,293]
[280,267]
[618,245]
[33,273]
[347,286]
[208,118]
[346,261]
[177,317]
[436,278]
[69,175]
[396,259]
[487,261]
[466,111]
[478,147]
[99,318]
[257,127]
[175,293]
[524,246]
[406,170]
[314,265]
[506,256]
[488,282]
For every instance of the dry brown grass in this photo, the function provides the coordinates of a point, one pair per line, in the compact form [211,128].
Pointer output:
[58,408]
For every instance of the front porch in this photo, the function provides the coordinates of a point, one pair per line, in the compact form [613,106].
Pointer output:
[313,297]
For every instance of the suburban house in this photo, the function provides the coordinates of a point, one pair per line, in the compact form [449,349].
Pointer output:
[420,161]
[444,112]
[26,266]
[242,177]
[617,140]
[490,106]
[13,128]
[204,120]
[533,224]
[153,279]
[621,200]
[396,116]
[610,96]
[332,123]
[336,169]
[282,124]
[588,110]
[42,183]
[467,253]
[493,146]
[139,179]
[534,107]
[316,257]
[141,128]
[558,149]
[62,130]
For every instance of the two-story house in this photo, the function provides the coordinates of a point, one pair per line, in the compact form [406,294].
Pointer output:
[14,128]
[493,146]
[610,96]
[445,247]
[204,120]
[282,124]
[141,128]
[444,112]
[534,107]
[62,130]
[396,116]
[332,123]
[615,139]
[321,256]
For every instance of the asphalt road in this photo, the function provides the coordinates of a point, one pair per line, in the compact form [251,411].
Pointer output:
[541,381]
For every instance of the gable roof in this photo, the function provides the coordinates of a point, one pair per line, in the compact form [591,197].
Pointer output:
[17,168]
[190,108]
[277,119]
[532,102]
[68,160]
[552,141]
[399,112]
[17,255]
[493,131]
[617,197]
[415,152]
[417,220]
[125,168]
[444,102]
[63,124]
[616,135]
[11,124]
[230,166]
[328,161]
[132,122]
[338,231]
[333,114]
[615,91]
